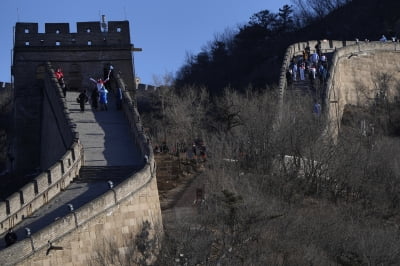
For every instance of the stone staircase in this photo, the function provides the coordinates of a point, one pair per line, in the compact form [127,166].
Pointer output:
[299,88]
[302,88]
[104,173]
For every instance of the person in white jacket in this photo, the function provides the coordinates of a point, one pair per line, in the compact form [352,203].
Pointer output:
[100,83]
[302,68]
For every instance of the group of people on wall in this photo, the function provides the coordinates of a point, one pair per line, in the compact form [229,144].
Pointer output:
[99,94]
[310,67]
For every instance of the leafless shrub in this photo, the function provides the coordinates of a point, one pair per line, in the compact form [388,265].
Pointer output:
[131,249]
[278,195]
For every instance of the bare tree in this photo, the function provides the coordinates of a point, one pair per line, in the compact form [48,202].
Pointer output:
[311,10]
[276,194]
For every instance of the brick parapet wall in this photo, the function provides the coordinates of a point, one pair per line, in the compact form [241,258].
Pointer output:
[49,183]
[137,196]
[338,95]
[58,131]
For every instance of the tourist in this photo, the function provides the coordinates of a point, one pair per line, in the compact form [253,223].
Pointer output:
[63,87]
[294,69]
[317,109]
[10,238]
[313,71]
[318,48]
[60,78]
[82,99]
[95,99]
[103,98]
[100,83]
[314,58]
[59,74]
[302,68]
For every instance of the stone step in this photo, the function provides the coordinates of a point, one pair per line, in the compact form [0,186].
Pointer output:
[104,173]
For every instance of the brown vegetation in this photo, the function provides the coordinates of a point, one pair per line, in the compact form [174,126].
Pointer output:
[320,204]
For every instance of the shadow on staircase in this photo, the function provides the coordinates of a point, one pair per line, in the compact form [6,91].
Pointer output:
[104,173]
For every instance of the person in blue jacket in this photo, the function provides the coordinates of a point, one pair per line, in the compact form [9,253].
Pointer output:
[103,98]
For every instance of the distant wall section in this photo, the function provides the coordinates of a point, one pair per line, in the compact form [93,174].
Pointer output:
[354,69]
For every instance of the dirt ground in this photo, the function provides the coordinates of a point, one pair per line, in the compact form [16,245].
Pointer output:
[179,181]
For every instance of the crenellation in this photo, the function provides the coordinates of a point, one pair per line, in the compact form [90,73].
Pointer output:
[14,203]
[88,27]
[26,28]
[29,193]
[56,172]
[58,35]
[65,163]
[118,26]
[53,191]
[3,213]
[42,182]
[56,28]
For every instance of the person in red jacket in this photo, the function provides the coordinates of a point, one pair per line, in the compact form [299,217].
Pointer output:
[59,74]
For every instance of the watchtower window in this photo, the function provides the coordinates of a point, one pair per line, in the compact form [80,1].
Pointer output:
[26,43]
[57,31]
[89,43]
[119,29]
[26,30]
[88,30]
[58,43]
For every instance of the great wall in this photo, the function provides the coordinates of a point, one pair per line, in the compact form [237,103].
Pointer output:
[352,68]
[121,210]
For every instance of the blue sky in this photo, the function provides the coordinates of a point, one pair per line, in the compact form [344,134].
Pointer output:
[165,30]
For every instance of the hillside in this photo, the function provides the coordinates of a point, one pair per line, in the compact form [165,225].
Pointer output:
[253,56]
[274,193]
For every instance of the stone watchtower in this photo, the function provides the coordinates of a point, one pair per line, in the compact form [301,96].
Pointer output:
[82,54]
